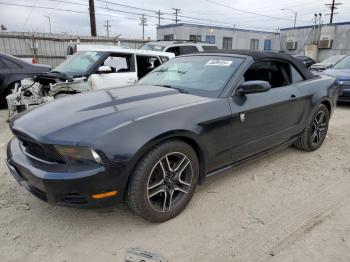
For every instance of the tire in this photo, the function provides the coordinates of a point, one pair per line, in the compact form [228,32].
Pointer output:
[172,170]
[313,136]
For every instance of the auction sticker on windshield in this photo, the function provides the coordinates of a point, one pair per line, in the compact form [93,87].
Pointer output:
[219,63]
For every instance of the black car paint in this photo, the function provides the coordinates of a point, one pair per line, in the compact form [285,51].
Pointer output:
[9,76]
[124,123]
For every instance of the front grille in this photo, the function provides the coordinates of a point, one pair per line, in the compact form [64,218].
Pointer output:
[37,150]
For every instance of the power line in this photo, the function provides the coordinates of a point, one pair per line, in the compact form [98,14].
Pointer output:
[249,12]
[135,13]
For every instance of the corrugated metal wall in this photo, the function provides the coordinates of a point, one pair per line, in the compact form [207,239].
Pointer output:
[51,48]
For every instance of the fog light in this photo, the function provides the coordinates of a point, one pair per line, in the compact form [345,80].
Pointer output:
[106,194]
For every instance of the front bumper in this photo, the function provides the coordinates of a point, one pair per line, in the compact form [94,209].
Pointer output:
[68,185]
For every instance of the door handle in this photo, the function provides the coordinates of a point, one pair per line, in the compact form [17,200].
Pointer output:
[292,98]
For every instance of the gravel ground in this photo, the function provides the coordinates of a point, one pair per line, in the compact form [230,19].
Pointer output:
[289,206]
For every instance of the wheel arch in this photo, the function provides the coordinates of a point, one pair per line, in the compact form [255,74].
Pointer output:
[182,135]
[328,104]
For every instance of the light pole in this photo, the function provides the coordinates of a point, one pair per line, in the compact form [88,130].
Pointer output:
[49,22]
[295,14]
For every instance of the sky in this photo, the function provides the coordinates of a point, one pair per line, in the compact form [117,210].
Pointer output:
[250,14]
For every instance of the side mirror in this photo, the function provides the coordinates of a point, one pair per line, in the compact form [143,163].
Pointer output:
[104,70]
[252,87]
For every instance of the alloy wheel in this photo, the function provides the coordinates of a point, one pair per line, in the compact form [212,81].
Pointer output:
[319,128]
[169,182]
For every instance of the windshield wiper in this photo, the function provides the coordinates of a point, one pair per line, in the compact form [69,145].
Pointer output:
[181,90]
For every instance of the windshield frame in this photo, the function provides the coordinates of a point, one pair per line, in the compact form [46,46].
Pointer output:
[229,84]
[90,70]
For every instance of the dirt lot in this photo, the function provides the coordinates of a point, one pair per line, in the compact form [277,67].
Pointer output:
[290,206]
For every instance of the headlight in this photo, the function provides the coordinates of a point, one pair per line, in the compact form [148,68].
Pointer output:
[79,154]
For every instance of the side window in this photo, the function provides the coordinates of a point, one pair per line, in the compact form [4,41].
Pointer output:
[164,59]
[11,64]
[119,63]
[275,72]
[296,76]
[209,47]
[175,50]
[188,49]
[146,64]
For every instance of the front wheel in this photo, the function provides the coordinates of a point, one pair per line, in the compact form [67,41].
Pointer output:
[164,181]
[313,136]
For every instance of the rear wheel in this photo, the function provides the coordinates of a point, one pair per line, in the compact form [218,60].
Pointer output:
[164,181]
[313,136]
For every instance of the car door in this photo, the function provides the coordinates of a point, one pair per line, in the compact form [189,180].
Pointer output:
[263,120]
[123,72]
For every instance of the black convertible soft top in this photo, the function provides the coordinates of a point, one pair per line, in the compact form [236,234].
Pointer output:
[260,55]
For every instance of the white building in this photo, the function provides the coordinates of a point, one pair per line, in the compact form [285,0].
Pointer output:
[223,37]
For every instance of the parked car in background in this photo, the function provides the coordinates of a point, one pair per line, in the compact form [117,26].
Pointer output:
[341,71]
[12,71]
[191,118]
[96,68]
[308,61]
[179,47]
[327,63]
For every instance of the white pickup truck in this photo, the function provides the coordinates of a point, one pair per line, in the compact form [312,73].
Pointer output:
[92,67]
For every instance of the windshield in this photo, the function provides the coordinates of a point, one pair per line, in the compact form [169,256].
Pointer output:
[79,64]
[152,47]
[343,64]
[332,60]
[201,75]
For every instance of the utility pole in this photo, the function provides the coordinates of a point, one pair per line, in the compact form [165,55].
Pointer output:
[107,25]
[177,11]
[143,23]
[159,14]
[49,23]
[333,7]
[92,17]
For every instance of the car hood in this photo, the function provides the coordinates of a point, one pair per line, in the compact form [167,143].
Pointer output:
[339,74]
[83,117]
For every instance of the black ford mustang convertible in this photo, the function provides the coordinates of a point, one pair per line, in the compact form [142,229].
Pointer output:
[152,143]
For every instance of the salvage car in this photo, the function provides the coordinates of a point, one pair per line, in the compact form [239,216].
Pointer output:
[97,67]
[341,71]
[190,118]
[327,63]
[12,71]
